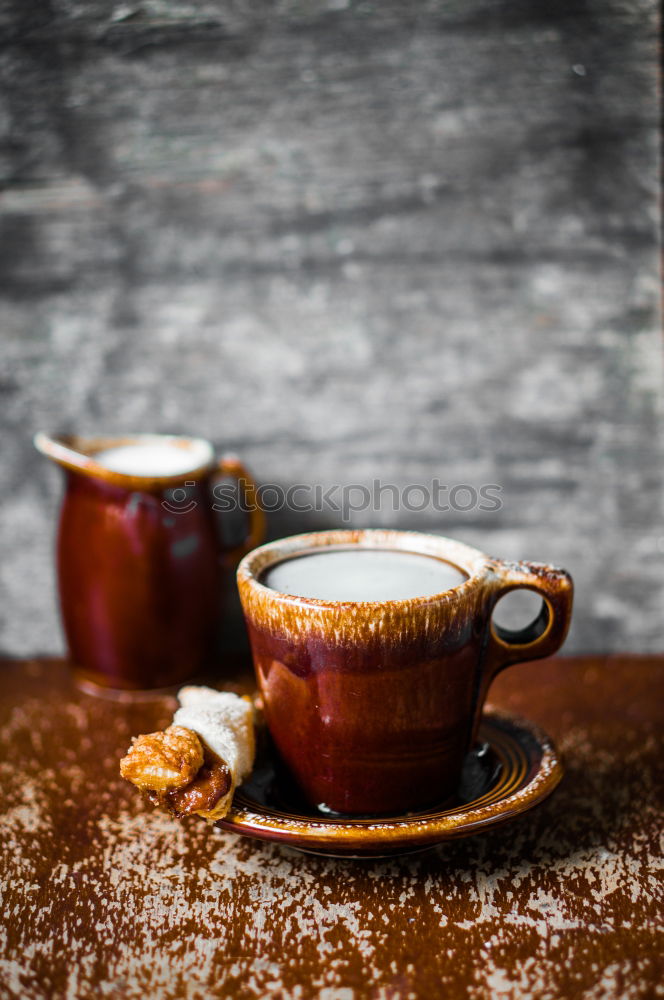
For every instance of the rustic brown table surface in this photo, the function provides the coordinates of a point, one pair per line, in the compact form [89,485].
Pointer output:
[105,897]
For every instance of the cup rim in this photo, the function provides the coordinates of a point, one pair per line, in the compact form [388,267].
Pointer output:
[470,560]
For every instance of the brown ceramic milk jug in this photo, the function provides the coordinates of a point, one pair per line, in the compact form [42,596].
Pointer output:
[140,563]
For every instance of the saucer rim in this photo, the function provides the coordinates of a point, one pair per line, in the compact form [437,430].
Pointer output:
[415,831]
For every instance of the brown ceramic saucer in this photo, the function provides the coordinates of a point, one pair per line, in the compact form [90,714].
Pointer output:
[514,767]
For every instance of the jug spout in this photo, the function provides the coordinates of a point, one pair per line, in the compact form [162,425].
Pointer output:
[66,449]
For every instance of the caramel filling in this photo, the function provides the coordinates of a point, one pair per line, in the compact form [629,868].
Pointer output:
[211,784]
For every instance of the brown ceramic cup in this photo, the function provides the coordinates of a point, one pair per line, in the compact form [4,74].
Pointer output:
[374,705]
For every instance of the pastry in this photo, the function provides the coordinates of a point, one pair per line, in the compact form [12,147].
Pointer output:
[196,764]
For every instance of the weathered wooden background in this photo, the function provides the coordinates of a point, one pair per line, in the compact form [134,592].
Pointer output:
[349,240]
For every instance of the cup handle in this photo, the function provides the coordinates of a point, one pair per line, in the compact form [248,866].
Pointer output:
[231,467]
[547,633]
[542,637]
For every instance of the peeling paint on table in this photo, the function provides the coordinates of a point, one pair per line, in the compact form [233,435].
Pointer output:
[105,896]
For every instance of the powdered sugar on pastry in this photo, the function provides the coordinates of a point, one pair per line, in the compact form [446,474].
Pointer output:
[224,721]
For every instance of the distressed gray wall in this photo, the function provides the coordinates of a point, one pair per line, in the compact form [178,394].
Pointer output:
[349,241]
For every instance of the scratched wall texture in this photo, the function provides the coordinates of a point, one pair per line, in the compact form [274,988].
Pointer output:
[349,241]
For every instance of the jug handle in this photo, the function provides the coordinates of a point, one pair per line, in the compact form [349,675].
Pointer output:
[231,467]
